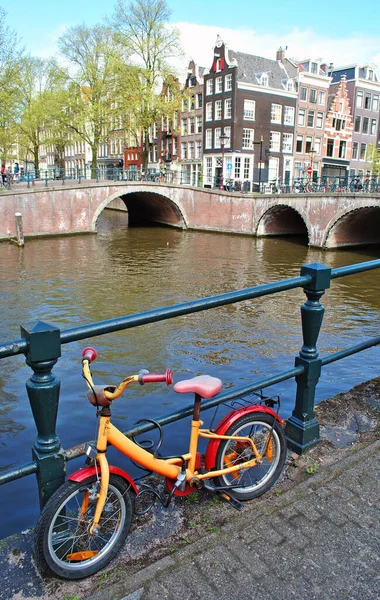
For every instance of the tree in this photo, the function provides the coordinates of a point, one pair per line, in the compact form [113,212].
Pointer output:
[90,103]
[373,159]
[141,29]
[10,52]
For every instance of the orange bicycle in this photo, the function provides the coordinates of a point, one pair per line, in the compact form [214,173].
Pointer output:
[86,521]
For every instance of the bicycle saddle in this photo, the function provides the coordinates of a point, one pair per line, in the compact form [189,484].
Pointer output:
[203,385]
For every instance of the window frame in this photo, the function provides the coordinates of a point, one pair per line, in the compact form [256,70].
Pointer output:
[276,113]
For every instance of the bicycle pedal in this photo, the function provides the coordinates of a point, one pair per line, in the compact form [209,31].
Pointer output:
[232,501]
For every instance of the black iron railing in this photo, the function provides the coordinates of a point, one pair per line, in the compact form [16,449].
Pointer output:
[41,344]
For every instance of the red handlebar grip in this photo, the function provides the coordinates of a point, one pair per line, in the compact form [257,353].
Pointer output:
[90,354]
[167,377]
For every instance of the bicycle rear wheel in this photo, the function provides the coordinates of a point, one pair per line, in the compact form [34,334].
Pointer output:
[269,438]
[64,545]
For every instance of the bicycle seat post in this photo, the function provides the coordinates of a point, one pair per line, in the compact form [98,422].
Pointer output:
[197,407]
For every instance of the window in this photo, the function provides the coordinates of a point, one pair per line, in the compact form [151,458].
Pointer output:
[184,150]
[319,124]
[373,126]
[299,143]
[317,145]
[288,115]
[217,134]
[370,74]
[365,125]
[175,142]
[342,149]
[198,149]
[218,110]
[227,108]
[313,96]
[247,164]
[355,150]
[301,117]
[209,169]
[290,85]
[321,97]
[339,124]
[184,104]
[228,82]
[358,122]
[208,138]
[227,132]
[303,94]
[367,102]
[308,145]
[264,80]
[330,147]
[287,142]
[209,87]
[275,115]
[191,150]
[310,118]
[237,167]
[359,100]
[248,135]
[249,110]
[191,125]
[198,128]
[184,127]
[209,111]
[275,141]
[363,150]
[192,102]
[314,67]
[375,102]
[199,101]
[219,65]
[273,168]
[218,85]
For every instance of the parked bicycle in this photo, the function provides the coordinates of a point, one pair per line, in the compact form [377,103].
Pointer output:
[86,521]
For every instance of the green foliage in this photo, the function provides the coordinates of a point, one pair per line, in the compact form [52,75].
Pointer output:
[373,159]
[192,498]
[311,469]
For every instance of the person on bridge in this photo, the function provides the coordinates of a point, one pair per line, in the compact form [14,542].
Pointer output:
[3,173]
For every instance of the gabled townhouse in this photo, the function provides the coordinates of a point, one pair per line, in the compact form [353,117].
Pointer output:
[313,90]
[168,131]
[363,90]
[249,118]
[191,123]
[337,137]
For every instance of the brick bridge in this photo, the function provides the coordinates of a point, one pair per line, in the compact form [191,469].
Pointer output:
[328,221]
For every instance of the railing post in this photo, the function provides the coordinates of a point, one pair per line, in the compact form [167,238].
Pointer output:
[44,349]
[302,428]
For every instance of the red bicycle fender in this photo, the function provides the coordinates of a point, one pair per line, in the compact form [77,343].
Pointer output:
[86,472]
[225,423]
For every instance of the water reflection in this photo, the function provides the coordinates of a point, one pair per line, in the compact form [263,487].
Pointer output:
[77,280]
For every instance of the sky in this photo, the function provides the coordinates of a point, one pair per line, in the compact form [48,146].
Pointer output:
[339,31]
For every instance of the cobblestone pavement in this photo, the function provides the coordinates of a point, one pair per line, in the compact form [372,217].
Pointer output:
[319,539]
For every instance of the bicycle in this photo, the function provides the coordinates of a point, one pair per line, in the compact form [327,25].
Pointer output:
[86,521]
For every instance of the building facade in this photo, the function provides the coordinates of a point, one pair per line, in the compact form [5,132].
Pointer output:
[191,124]
[313,91]
[249,119]
[337,136]
[363,90]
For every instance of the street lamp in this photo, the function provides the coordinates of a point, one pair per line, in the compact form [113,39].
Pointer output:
[223,140]
[261,157]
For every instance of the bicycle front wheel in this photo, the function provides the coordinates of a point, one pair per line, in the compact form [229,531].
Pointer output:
[64,545]
[268,436]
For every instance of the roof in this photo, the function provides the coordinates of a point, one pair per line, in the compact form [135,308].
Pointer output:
[251,67]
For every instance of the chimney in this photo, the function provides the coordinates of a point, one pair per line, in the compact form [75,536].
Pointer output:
[280,55]
[324,67]
[331,66]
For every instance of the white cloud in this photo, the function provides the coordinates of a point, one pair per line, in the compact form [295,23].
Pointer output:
[198,42]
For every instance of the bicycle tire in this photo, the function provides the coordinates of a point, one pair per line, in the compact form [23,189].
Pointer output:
[259,478]
[62,531]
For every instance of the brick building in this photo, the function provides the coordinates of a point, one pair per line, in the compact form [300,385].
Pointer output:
[337,137]
[191,123]
[363,90]
[251,102]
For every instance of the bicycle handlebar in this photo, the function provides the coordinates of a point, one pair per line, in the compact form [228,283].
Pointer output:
[167,377]
[90,354]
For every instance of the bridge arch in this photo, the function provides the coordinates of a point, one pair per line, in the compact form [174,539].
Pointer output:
[282,219]
[146,205]
[358,227]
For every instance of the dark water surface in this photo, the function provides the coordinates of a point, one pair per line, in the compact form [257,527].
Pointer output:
[72,281]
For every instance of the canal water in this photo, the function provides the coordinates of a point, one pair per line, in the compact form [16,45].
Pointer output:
[71,281]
